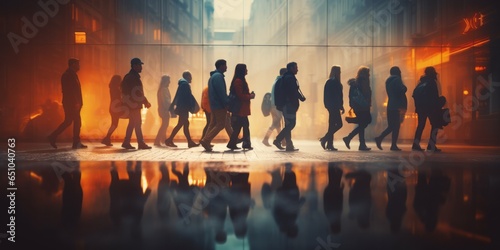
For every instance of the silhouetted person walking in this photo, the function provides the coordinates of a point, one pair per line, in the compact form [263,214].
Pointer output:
[276,115]
[217,94]
[239,118]
[133,97]
[205,106]
[360,99]
[426,97]
[396,108]
[72,104]
[164,101]
[116,108]
[292,95]
[183,103]
[333,99]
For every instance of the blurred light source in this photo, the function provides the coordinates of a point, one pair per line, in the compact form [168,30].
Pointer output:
[466,92]
[480,68]
[385,104]
[80,37]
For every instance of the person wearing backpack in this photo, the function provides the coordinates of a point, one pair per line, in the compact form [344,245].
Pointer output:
[426,97]
[334,103]
[360,98]
[276,115]
[291,92]
[396,108]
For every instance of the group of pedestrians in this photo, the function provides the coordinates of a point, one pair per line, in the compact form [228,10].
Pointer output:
[231,111]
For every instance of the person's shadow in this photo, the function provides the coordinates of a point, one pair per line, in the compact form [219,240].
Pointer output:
[239,202]
[269,189]
[287,204]
[127,201]
[397,193]
[430,194]
[333,198]
[183,193]
[164,200]
[360,199]
[217,184]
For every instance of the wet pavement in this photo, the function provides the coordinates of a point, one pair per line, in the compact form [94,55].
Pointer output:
[260,199]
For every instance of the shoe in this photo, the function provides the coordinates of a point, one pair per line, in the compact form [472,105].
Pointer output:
[416,147]
[206,146]
[266,142]
[323,142]
[52,142]
[170,143]
[78,145]
[364,148]
[233,147]
[347,141]
[378,141]
[278,145]
[143,146]
[331,148]
[247,146]
[127,146]
[192,144]
[395,149]
[291,149]
[433,149]
[106,141]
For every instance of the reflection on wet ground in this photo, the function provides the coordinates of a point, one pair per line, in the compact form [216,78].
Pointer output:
[212,205]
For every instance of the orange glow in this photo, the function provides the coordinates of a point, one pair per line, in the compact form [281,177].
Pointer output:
[144,183]
[436,59]
[466,92]
[36,177]
[480,68]
[80,37]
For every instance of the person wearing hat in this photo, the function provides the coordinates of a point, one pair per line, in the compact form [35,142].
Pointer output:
[133,98]
[72,104]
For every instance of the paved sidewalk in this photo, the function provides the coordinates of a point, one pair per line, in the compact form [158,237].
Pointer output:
[309,151]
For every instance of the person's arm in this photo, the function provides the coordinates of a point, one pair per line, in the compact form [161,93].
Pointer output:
[220,89]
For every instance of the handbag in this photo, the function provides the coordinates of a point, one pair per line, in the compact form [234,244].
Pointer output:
[234,103]
[195,107]
[351,117]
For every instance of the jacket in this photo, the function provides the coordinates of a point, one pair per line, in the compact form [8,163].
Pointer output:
[205,102]
[217,91]
[431,98]
[292,94]
[71,89]
[132,90]
[396,93]
[333,98]
[164,101]
[240,88]
[183,100]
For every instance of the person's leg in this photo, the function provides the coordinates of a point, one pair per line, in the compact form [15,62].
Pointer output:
[422,119]
[162,131]
[77,125]
[361,131]
[219,121]
[433,139]
[69,114]
[128,132]
[290,121]
[236,124]
[180,123]
[328,137]
[337,124]
[246,133]
[394,124]
[227,125]
[207,117]
[138,131]
[112,128]
[276,124]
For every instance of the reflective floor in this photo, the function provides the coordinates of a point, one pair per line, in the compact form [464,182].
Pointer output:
[213,205]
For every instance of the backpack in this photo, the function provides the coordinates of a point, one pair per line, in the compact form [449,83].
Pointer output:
[356,98]
[266,104]
[279,94]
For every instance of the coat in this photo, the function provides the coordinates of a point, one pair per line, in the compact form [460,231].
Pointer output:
[71,89]
[240,88]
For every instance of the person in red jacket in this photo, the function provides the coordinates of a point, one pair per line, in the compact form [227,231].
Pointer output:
[239,118]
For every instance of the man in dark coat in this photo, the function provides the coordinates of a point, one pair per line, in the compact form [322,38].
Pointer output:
[396,108]
[133,98]
[292,96]
[72,104]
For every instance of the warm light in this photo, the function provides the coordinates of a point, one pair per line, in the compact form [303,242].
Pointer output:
[466,198]
[479,68]
[144,183]
[466,92]
[385,104]
[36,177]
[80,37]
